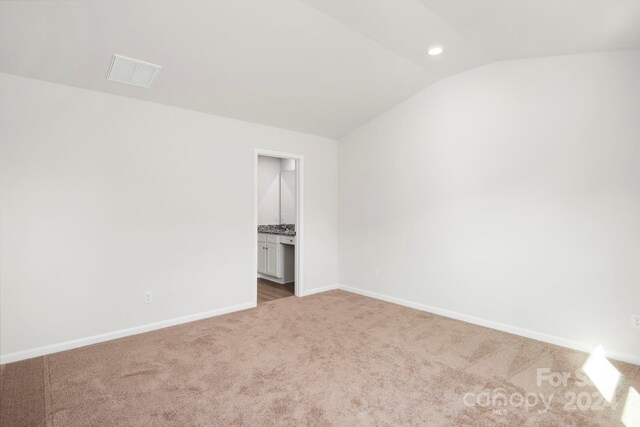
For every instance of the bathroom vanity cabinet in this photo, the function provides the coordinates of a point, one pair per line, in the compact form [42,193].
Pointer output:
[276,257]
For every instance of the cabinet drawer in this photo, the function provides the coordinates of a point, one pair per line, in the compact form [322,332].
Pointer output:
[288,240]
[272,238]
[262,237]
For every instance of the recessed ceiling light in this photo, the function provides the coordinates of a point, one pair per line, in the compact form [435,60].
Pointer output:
[435,50]
[132,71]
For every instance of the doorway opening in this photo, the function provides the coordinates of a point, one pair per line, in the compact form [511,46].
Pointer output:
[277,225]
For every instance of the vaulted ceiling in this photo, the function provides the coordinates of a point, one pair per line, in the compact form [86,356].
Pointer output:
[319,66]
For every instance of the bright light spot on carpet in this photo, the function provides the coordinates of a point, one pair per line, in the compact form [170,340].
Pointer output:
[602,373]
[631,412]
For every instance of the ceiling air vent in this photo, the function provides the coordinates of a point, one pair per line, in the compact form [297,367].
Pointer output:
[132,71]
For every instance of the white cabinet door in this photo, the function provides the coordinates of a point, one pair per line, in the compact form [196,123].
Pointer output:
[262,258]
[273,260]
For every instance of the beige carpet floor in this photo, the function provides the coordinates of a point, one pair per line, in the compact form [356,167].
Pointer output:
[329,359]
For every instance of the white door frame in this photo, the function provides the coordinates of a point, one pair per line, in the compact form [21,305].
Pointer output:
[299,159]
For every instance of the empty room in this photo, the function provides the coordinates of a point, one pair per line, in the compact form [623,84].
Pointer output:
[319,212]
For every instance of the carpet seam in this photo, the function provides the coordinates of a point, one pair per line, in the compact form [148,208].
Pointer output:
[32,403]
[47,393]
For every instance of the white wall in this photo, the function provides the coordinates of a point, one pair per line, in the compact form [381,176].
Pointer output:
[268,190]
[510,193]
[103,197]
[287,165]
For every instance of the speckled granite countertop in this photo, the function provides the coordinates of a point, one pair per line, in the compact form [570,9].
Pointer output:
[283,229]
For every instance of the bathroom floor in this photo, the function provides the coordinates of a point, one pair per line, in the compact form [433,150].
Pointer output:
[270,291]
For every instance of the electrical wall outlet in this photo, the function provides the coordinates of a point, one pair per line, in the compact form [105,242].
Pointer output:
[635,321]
[375,273]
[148,297]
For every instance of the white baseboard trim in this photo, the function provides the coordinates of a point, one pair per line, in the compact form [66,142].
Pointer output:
[318,290]
[82,342]
[551,339]
[527,333]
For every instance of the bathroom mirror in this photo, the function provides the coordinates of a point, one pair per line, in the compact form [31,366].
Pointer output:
[288,197]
